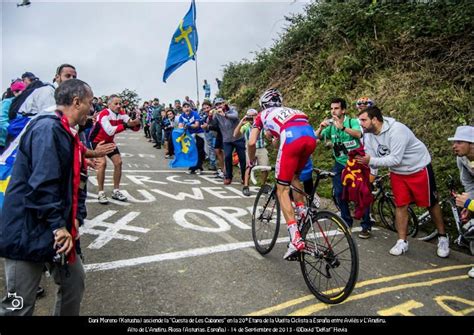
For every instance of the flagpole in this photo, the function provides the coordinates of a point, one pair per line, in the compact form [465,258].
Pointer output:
[195,57]
[197,78]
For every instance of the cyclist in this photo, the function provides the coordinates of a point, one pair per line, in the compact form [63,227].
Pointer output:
[463,147]
[297,143]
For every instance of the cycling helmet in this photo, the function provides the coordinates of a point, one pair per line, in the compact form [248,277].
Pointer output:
[365,101]
[271,98]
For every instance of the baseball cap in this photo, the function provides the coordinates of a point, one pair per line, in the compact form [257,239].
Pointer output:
[463,133]
[185,103]
[17,86]
[29,75]
[218,101]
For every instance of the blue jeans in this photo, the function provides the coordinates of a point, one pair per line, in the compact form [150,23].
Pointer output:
[229,147]
[211,142]
[344,205]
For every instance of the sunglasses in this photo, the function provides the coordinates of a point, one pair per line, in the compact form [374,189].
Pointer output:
[360,103]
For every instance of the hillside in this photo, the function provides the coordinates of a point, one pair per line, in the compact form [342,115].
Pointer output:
[414,59]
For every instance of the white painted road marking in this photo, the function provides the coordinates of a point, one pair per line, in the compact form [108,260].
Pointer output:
[182,254]
[112,231]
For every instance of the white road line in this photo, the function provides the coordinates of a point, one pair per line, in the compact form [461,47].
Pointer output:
[181,254]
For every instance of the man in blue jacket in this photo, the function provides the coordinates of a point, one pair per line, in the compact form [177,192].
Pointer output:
[44,206]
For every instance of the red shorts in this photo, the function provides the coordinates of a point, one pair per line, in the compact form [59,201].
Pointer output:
[419,187]
[292,157]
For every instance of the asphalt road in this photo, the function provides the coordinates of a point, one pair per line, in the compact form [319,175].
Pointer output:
[182,245]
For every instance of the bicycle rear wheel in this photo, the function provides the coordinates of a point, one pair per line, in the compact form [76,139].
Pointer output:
[330,261]
[265,219]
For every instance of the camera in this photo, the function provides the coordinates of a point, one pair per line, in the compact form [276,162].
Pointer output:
[339,148]
[16,301]
[60,259]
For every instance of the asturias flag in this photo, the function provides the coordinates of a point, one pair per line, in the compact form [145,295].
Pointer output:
[184,43]
[185,151]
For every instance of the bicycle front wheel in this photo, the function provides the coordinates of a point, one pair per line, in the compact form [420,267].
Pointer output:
[265,219]
[330,261]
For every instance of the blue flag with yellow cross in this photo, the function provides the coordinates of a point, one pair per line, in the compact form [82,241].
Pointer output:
[185,150]
[183,44]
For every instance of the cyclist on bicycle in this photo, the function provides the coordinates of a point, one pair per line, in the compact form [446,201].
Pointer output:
[297,143]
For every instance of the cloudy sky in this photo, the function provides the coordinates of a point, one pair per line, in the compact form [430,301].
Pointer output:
[116,44]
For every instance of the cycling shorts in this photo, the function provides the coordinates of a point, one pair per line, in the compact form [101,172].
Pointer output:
[297,144]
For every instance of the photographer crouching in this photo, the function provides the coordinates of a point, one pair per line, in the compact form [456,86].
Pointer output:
[344,134]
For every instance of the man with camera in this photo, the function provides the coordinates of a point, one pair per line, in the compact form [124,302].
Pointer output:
[344,133]
[45,201]
[227,119]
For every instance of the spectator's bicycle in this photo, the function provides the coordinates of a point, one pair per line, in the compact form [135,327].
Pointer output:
[330,261]
[385,207]
[428,231]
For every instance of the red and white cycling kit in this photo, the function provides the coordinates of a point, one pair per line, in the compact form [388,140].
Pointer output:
[108,125]
[297,140]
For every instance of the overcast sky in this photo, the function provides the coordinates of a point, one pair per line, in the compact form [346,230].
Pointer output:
[116,45]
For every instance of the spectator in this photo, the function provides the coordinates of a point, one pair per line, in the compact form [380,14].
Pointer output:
[15,90]
[207,90]
[110,122]
[227,120]
[28,78]
[177,108]
[344,134]
[190,102]
[190,120]
[169,131]
[463,147]
[391,144]
[219,82]
[156,123]
[42,198]
[210,136]
[261,153]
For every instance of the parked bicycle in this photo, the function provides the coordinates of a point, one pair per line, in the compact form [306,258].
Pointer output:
[329,262]
[428,231]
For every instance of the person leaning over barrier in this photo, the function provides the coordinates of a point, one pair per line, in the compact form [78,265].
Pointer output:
[44,210]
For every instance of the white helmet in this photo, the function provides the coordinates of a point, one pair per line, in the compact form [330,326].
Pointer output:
[271,98]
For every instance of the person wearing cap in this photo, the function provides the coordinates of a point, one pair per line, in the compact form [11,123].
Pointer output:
[391,144]
[28,78]
[15,90]
[191,121]
[463,147]
[363,103]
[261,154]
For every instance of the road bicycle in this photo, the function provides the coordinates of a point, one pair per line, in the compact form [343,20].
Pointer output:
[427,229]
[329,262]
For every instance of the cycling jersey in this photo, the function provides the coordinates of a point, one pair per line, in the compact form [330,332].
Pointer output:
[108,125]
[297,140]
[276,119]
